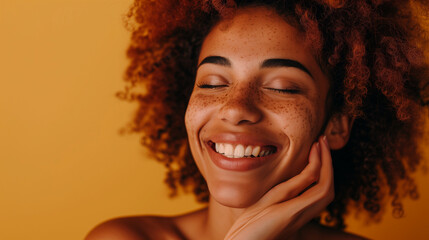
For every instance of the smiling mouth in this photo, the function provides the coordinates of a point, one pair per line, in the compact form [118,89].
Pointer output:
[242,151]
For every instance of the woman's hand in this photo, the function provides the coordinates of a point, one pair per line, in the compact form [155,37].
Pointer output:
[291,204]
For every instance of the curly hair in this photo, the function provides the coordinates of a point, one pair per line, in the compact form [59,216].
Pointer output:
[372,50]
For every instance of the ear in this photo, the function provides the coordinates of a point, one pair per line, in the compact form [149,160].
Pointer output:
[338,130]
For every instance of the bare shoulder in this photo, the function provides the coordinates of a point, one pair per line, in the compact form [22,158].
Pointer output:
[135,228]
[118,228]
[324,232]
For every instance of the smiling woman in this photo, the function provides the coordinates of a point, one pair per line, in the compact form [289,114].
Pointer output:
[253,105]
[246,101]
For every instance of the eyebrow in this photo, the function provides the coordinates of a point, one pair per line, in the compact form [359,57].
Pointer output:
[280,62]
[268,63]
[216,60]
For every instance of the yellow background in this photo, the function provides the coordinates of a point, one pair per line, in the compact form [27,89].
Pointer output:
[63,166]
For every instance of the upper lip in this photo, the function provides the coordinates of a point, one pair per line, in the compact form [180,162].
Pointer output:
[245,139]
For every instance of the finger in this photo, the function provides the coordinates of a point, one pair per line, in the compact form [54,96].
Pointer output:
[326,181]
[321,193]
[297,184]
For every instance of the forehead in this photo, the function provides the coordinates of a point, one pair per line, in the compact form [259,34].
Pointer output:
[255,32]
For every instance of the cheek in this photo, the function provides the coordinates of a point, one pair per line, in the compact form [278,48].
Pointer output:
[200,109]
[296,117]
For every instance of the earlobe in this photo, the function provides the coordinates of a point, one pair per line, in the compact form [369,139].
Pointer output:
[338,130]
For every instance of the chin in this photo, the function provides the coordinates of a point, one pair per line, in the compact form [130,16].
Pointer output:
[235,196]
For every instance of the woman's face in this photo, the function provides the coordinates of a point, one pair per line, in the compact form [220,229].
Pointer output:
[256,108]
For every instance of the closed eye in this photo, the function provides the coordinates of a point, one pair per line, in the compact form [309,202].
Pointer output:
[285,91]
[211,86]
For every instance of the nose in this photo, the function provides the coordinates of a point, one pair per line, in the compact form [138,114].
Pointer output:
[240,106]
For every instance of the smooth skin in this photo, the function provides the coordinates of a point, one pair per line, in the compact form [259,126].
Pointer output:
[237,98]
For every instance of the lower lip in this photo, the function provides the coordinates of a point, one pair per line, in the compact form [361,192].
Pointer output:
[237,164]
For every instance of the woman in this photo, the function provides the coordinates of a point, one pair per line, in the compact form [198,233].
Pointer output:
[284,94]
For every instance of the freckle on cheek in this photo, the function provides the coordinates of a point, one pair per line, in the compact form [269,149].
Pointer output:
[313,127]
[292,138]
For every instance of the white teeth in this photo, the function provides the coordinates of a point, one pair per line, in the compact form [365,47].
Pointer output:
[239,151]
[221,148]
[229,150]
[255,151]
[248,151]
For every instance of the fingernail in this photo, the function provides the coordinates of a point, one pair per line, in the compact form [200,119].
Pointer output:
[326,140]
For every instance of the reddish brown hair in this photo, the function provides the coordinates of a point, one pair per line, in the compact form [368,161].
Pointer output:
[370,49]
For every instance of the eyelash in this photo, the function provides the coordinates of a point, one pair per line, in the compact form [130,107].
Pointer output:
[283,91]
[211,86]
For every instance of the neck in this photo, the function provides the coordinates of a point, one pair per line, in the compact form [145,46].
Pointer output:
[220,218]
